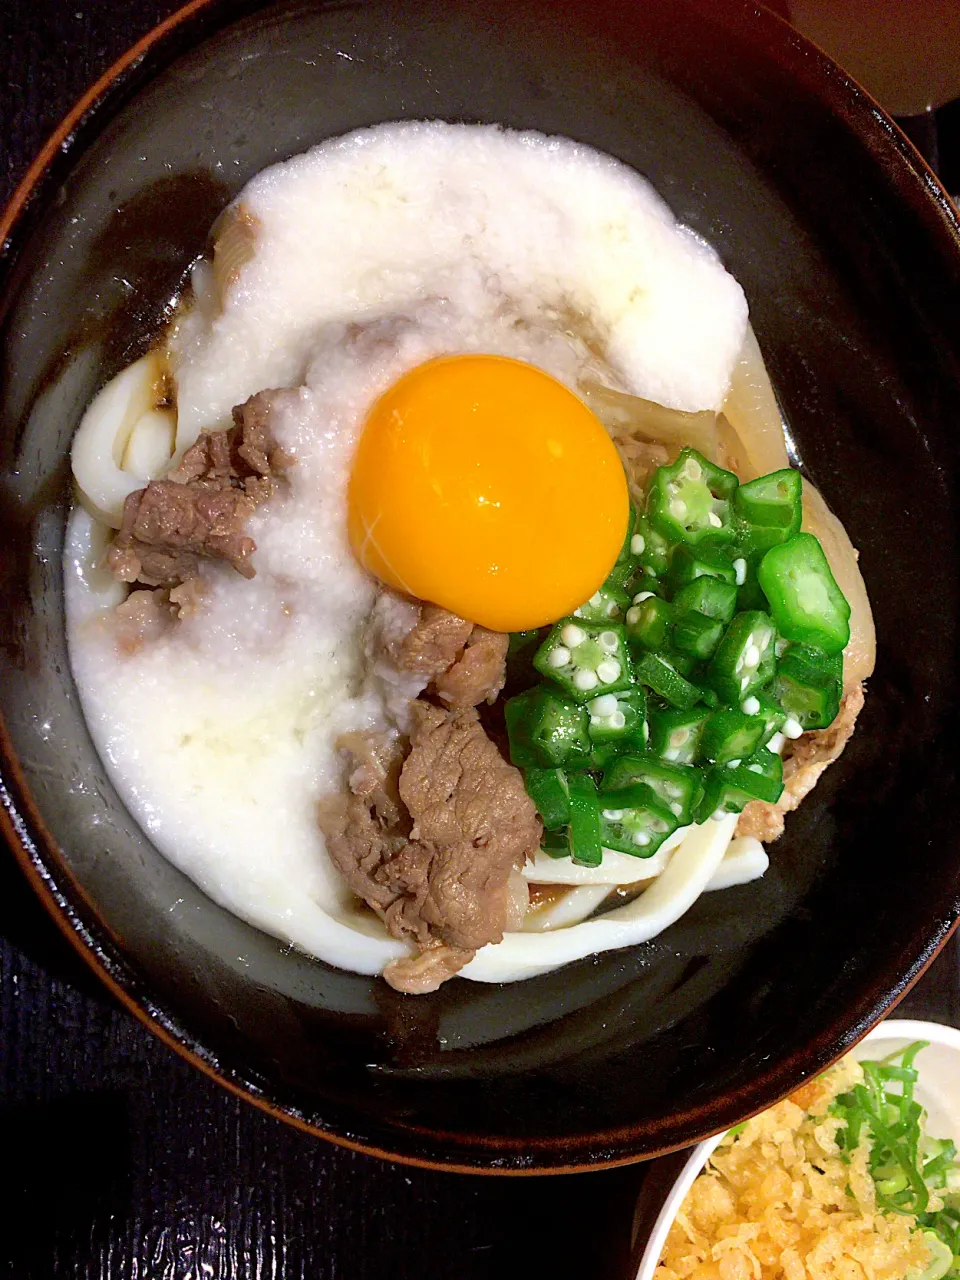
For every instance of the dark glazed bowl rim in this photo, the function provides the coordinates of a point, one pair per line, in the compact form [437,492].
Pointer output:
[20,821]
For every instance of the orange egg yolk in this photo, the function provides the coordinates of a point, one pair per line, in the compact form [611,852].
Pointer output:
[484,485]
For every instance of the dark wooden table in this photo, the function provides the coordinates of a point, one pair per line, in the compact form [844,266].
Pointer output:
[126,1163]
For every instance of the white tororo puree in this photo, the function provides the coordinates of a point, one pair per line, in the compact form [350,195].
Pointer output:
[374,253]
[370,223]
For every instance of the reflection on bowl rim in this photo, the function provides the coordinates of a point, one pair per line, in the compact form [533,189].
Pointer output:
[893,1029]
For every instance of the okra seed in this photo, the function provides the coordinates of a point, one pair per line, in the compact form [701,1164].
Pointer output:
[613,610]
[605,705]
[618,720]
[792,728]
[678,509]
[718,815]
[679,737]
[608,671]
[734,764]
[754,768]
[776,744]
[750,706]
[740,571]
[641,596]
[638,544]
[596,599]
[641,838]
[613,815]
[584,681]
[558,657]
[715,520]
[572,635]
[633,615]
[676,809]
[693,469]
[650,571]
[671,789]
[744,684]
[609,641]
[752,656]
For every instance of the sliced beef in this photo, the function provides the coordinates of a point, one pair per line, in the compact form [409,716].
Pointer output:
[433,644]
[199,511]
[808,756]
[478,674]
[438,870]
[169,527]
[375,775]
[257,447]
[424,972]
[471,810]
[245,451]
[188,597]
[142,618]
[464,664]
[146,616]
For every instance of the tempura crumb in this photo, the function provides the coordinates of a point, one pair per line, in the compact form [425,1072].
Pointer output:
[777,1202]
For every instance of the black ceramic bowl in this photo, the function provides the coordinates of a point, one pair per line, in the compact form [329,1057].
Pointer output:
[850,258]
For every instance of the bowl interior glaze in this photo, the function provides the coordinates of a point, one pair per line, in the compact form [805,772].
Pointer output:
[851,263]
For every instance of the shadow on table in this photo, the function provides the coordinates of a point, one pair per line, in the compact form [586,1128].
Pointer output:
[27,926]
[67,1180]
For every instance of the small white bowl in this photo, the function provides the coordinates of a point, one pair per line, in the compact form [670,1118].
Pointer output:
[938,1090]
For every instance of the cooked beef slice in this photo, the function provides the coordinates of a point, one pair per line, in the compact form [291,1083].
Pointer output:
[168,527]
[470,809]
[464,663]
[246,450]
[188,597]
[142,618]
[437,870]
[478,674]
[419,974]
[199,511]
[804,761]
[375,774]
[432,645]
[257,447]
[146,616]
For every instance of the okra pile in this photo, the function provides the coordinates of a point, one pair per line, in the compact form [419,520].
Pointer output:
[666,698]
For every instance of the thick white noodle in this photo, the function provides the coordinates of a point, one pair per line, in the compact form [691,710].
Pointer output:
[104,433]
[616,868]
[524,955]
[87,540]
[745,860]
[150,446]
[575,905]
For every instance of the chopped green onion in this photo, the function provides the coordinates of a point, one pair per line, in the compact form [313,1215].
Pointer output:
[907,1167]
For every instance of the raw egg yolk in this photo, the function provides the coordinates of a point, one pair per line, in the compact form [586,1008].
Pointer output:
[483,485]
